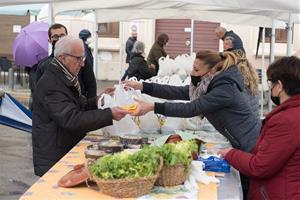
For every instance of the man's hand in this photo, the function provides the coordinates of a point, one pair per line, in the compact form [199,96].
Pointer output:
[118,113]
[109,90]
[133,84]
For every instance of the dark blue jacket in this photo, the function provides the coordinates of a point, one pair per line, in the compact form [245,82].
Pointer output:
[223,105]
[86,75]
[129,45]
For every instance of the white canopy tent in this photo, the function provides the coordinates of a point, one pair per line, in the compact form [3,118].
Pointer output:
[250,12]
[255,12]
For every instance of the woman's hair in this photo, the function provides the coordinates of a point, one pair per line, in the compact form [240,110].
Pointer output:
[249,73]
[138,47]
[220,61]
[287,70]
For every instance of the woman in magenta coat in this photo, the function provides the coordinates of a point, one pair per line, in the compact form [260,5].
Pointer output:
[274,164]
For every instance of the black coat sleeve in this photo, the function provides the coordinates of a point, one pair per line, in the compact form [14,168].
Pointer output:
[68,116]
[218,98]
[166,91]
[144,71]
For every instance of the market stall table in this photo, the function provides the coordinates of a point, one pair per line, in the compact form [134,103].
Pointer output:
[46,187]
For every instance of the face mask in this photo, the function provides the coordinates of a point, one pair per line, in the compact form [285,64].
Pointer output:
[166,44]
[88,41]
[53,45]
[134,38]
[275,100]
[195,80]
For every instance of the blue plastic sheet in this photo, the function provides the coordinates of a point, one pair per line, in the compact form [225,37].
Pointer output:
[215,164]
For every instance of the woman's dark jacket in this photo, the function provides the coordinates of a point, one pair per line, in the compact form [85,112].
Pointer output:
[223,105]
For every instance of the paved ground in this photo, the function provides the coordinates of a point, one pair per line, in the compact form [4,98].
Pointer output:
[15,163]
[16,168]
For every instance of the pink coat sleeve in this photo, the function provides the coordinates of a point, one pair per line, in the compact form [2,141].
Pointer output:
[273,151]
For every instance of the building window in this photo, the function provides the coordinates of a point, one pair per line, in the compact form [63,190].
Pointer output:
[108,30]
[280,35]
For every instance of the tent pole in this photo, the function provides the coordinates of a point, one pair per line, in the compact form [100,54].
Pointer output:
[289,42]
[121,36]
[50,22]
[50,13]
[192,37]
[272,56]
[262,74]
[95,52]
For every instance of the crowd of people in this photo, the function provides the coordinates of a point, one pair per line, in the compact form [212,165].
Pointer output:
[223,89]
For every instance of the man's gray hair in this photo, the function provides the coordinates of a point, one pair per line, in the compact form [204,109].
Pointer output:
[220,29]
[138,47]
[64,45]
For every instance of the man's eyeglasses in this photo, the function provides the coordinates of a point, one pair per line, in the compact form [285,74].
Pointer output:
[78,58]
[57,37]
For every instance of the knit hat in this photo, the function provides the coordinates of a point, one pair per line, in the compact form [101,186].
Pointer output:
[84,34]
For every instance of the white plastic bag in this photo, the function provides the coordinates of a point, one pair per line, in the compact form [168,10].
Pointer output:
[172,124]
[125,126]
[175,80]
[193,123]
[187,81]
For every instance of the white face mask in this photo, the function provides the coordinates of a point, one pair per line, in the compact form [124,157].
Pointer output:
[88,41]
[166,44]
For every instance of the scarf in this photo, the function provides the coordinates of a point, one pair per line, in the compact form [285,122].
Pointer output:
[72,78]
[201,89]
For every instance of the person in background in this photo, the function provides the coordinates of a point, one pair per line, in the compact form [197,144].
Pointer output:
[249,74]
[138,66]
[61,115]
[273,164]
[222,33]
[157,51]
[86,74]
[129,45]
[55,32]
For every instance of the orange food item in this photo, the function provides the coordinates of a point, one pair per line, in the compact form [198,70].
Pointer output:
[131,108]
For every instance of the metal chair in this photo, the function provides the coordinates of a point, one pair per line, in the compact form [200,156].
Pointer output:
[5,65]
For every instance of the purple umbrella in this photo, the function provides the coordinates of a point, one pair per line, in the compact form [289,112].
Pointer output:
[31,44]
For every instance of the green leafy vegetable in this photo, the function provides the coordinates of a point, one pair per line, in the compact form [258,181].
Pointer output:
[123,165]
[144,162]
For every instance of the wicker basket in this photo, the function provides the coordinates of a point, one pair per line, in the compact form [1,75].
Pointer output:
[125,188]
[171,175]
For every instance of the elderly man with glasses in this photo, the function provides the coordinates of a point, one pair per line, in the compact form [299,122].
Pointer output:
[61,115]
